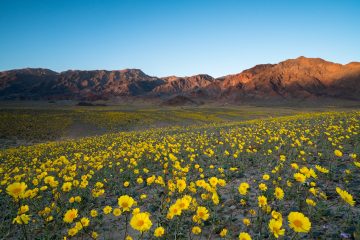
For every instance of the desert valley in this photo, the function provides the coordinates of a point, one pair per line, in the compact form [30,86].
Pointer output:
[174,120]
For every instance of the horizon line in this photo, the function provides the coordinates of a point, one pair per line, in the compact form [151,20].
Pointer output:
[172,75]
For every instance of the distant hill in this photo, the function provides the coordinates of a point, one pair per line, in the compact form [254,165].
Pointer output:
[300,78]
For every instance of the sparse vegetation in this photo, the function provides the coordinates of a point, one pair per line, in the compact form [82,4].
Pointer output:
[37,123]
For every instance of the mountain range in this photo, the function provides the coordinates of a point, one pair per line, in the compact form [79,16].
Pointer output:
[300,78]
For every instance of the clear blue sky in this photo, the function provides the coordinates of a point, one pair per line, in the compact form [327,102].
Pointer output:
[168,37]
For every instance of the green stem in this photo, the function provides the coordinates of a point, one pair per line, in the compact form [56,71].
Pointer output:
[126,225]
[141,236]
[293,238]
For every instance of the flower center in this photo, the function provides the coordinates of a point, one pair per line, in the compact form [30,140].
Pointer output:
[140,223]
[17,190]
[298,223]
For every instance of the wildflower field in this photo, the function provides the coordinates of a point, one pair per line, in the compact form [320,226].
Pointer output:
[289,177]
[24,125]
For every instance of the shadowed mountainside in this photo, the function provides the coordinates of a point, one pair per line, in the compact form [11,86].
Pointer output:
[300,78]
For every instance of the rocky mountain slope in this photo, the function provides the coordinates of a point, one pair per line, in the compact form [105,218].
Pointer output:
[294,78]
